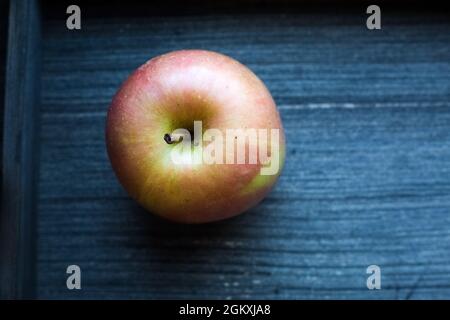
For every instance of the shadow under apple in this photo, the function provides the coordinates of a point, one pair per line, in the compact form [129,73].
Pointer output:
[193,259]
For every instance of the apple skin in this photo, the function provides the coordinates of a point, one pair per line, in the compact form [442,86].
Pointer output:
[169,92]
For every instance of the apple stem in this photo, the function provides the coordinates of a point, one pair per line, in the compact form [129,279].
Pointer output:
[172,138]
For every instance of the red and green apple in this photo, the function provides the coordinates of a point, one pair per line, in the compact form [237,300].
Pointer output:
[176,91]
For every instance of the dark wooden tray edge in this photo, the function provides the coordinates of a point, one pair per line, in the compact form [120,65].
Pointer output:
[21,102]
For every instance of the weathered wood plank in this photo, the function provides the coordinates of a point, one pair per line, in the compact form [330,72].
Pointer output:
[367,178]
[17,233]
[4,6]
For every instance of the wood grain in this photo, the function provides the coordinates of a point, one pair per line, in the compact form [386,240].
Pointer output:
[17,228]
[367,177]
[4,6]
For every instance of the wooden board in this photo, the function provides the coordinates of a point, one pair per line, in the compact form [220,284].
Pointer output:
[3,46]
[366,181]
[20,151]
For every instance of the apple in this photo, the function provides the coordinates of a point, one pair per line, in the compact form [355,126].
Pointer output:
[219,102]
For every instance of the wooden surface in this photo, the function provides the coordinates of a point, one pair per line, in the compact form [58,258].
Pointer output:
[19,155]
[3,39]
[366,181]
